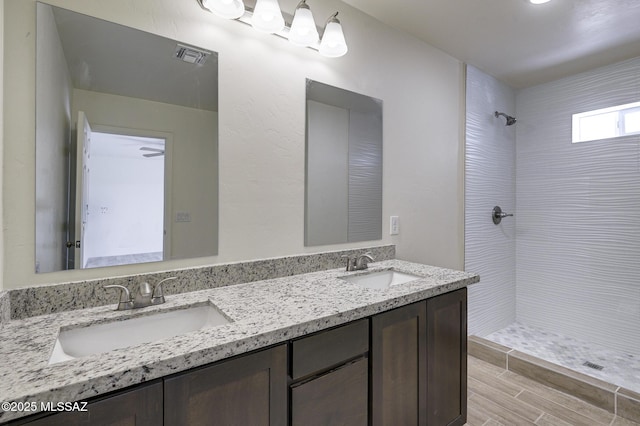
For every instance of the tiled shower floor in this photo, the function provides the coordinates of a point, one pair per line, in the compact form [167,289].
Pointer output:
[619,368]
[126,259]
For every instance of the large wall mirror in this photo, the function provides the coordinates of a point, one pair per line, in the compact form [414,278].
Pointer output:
[343,196]
[126,145]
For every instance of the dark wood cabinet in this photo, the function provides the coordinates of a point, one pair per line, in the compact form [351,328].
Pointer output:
[141,406]
[447,359]
[398,366]
[419,363]
[248,390]
[329,381]
[339,397]
[329,348]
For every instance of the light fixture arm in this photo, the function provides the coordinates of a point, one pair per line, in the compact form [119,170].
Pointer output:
[332,18]
[202,5]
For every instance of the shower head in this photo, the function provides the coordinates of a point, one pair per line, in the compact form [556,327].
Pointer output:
[510,120]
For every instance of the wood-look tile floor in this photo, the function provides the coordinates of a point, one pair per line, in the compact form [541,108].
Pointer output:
[501,397]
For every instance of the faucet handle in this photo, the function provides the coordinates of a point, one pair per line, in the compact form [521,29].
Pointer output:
[158,295]
[125,297]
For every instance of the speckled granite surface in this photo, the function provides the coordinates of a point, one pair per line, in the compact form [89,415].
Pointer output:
[33,301]
[264,313]
[5,308]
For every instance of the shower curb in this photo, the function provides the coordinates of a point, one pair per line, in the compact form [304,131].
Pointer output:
[620,401]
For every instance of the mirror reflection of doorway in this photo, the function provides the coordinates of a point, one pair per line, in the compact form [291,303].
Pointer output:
[125,198]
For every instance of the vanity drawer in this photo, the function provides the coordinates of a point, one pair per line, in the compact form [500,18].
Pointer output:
[329,348]
[338,397]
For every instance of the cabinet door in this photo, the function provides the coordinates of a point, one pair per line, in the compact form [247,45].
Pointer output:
[339,397]
[447,359]
[141,406]
[398,366]
[248,390]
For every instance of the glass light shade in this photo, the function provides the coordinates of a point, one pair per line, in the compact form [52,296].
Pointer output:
[228,9]
[303,28]
[267,16]
[333,44]
[539,1]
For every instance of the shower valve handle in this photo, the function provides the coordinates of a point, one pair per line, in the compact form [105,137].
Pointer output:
[497,215]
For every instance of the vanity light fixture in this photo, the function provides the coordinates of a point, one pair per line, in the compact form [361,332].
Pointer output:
[303,30]
[228,9]
[333,44]
[266,16]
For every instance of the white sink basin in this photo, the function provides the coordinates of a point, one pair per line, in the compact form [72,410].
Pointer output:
[381,280]
[99,338]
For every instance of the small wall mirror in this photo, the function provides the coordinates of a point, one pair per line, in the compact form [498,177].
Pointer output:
[343,197]
[126,145]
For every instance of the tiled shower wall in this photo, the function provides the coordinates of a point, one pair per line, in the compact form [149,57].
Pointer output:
[490,181]
[578,212]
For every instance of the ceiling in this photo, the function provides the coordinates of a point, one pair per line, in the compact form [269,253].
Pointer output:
[110,58]
[515,41]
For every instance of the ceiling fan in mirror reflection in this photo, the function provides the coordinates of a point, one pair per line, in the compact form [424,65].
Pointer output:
[300,29]
[154,152]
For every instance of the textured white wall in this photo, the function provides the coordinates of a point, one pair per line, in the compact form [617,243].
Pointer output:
[261,119]
[578,205]
[54,130]
[490,181]
[365,176]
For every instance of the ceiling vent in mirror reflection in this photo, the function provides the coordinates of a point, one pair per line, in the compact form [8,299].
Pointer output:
[191,54]
[300,29]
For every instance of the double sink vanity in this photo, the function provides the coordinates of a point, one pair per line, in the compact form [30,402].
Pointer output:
[385,345]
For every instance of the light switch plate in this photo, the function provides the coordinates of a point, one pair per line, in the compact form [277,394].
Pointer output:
[183,217]
[394,225]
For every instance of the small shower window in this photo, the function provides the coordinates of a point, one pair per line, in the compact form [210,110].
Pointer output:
[607,123]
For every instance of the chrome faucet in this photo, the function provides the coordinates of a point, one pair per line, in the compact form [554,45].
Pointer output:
[362,261]
[358,263]
[143,297]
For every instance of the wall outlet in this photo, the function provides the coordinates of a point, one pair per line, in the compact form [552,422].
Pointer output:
[394,225]
[183,217]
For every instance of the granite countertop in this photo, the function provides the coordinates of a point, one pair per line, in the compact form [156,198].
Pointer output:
[263,313]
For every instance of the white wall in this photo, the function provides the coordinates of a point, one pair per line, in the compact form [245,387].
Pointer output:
[1,141]
[261,119]
[192,151]
[490,181]
[126,208]
[52,159]
[578,243]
